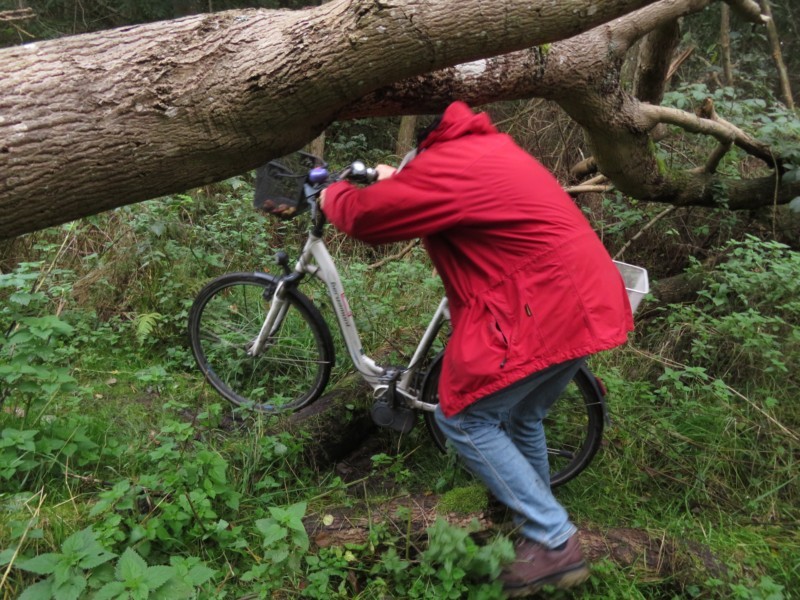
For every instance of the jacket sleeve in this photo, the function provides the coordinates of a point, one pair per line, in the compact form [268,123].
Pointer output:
[416,202]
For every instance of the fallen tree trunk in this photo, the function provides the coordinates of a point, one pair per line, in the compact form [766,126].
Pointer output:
[97,121]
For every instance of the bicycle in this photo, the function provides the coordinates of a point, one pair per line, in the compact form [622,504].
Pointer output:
[263,344]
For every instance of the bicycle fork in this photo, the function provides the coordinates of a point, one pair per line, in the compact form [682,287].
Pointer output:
[272,322]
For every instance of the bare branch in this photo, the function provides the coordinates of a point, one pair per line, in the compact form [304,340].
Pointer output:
[679,60]
[716,127]
[186,102]
[725,44]
[583,168]
[748,9]
[21,14]
[652,222]
[777,56]
[636,25]
[586,189]
[396,256]
[597,180]
[716,156]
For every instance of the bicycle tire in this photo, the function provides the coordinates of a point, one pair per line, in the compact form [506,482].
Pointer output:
[292,370]
[573,427]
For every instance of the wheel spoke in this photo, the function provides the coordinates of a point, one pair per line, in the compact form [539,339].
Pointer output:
[292,367]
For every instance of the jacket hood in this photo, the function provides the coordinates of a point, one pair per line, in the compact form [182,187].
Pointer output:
[458,120]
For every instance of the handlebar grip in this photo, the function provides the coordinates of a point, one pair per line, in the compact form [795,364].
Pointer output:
[360,173]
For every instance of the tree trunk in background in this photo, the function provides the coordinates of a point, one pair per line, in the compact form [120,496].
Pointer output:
[317,146]
[405,135]
[655,57]
[777,55]
[725,44]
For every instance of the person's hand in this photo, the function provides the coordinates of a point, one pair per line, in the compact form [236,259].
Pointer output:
[384,171]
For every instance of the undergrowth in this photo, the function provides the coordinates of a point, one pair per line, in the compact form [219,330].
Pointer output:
[124,476]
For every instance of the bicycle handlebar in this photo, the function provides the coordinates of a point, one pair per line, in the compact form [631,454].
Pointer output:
[284,190]
[319,178]
[357,172]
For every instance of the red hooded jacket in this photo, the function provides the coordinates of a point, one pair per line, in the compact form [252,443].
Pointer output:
[529,282]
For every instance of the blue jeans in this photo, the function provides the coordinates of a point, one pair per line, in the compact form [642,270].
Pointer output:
[501,439]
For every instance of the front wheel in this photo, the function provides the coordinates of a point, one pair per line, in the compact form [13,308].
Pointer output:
[295,363]
[573,427]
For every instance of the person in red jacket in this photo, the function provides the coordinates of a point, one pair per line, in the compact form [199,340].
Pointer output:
[532,293]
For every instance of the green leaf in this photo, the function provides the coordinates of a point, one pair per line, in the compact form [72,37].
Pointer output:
[6,556]
[271,531]
[297,511]
[158,575]
[23,298]
[131,566]
[44,564]
[70,589]
[112,589]
[145,325]
[171,590]
[96,559]
[199,574]
[80,542]
[38,591]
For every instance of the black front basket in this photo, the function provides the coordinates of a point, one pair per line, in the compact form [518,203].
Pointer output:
[279,185]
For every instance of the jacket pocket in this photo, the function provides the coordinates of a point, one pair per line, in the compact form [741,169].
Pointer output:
[530,339]
[499,332]
[479,345]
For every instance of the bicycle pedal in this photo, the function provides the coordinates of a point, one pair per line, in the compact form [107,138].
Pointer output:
[399,418]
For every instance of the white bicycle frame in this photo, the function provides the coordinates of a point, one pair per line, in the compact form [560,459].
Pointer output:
[316,260]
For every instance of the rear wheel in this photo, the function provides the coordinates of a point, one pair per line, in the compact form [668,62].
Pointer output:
[573,427]
[294,365]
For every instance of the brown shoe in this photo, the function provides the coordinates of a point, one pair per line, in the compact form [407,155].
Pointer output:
[536,566]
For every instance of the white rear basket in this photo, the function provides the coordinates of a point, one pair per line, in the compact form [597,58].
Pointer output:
[636,282]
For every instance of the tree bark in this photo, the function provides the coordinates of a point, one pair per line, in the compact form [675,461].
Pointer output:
[97,121]
[777,55]
[655,58]
[582,74]
[405,135]
[725,44]
[317,146]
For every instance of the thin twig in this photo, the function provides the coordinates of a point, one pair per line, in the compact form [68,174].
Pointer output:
[399,255]
[586,189]
[679,60]
[652,222]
